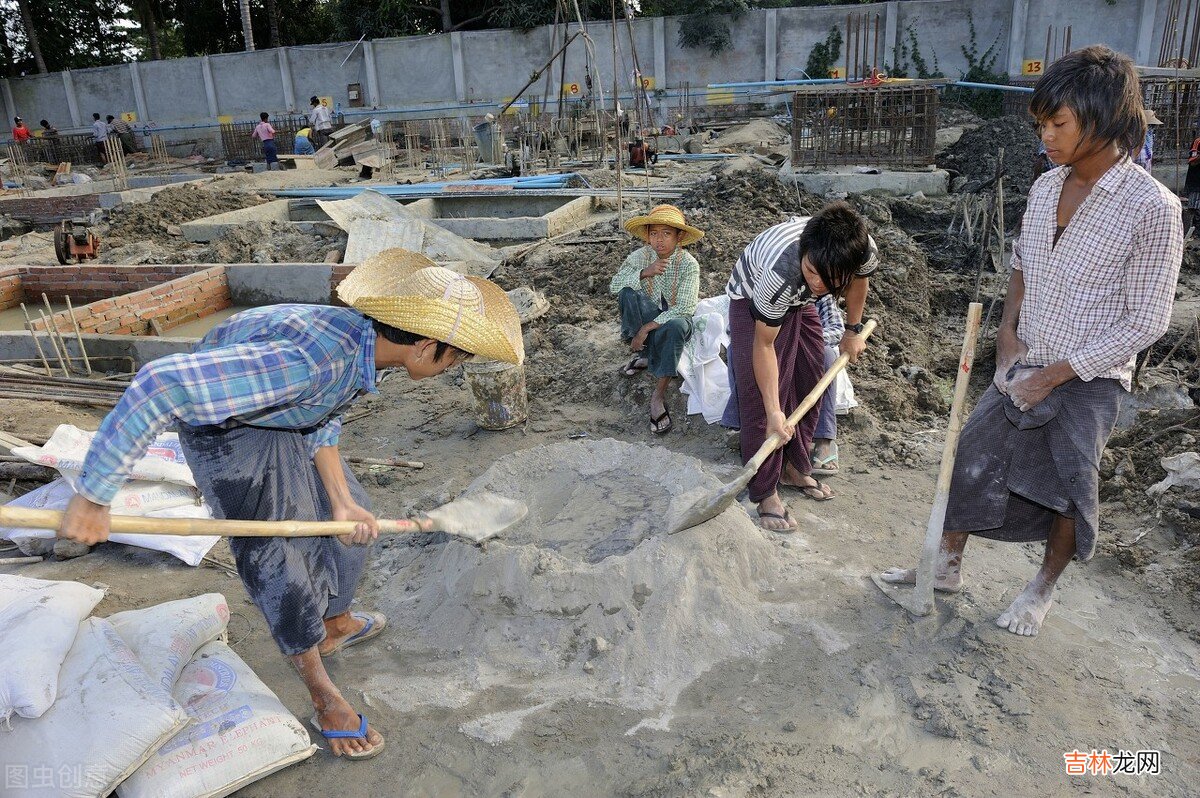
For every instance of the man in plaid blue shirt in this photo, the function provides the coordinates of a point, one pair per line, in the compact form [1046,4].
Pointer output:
[258,410]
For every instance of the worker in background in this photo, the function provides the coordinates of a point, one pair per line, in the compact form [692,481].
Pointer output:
[265,133]
[124,133]
[258,407]
[641,154]
[1145,156]
[100,133]
[321,121]
[303,143]
[48,130]
[20,133]
[1191,187]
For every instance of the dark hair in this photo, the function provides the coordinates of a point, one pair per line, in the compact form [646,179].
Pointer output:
[836,243]
[95,116]
[44,123]
[109,118]
[406,338]
[264,116]
[1101,88]
[313,100]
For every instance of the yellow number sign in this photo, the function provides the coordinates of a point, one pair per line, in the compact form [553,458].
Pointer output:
[648,82]
[326,101]
[1032,66]
[837,73]
[572,88]
[128,116]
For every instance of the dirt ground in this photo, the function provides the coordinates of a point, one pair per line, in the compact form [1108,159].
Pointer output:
[855,697]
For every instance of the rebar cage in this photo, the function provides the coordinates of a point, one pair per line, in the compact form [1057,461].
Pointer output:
[864,126]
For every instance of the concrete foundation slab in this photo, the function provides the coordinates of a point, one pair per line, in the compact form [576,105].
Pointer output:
[501,218]
[846,180]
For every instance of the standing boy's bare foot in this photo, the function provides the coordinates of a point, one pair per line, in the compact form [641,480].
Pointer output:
[1028,610]
[947,575]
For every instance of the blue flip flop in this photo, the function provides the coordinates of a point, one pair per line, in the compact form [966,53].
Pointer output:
[361,734]
[374,624]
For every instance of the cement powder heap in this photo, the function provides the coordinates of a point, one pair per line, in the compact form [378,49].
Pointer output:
[587,598]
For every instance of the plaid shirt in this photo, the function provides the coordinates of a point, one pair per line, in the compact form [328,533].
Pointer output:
[676,290]
[283,366]
[1105,291]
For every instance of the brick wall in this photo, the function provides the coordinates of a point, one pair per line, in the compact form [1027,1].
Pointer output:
[89,283]
[11,293]
[170,304]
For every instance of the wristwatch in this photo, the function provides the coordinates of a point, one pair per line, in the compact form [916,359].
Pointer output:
[856,328]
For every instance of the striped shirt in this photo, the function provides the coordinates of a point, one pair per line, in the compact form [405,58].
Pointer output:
[676,291]
[282,366]
[768,272]
[1105,291]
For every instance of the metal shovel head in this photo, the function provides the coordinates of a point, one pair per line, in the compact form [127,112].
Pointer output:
[903,594]
[479,517]
[697,506]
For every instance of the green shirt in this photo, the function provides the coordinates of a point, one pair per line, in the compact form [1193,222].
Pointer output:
[677,289]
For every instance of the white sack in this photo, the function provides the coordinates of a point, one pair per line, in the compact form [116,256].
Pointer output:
[38,622]
[108,718]
[189,548]
[68,446]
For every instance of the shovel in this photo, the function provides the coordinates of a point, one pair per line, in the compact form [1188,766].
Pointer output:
[476,518]
[711,504]
[919,601]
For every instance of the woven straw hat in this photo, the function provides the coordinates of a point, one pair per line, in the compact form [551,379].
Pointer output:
[407,290]
[668,215]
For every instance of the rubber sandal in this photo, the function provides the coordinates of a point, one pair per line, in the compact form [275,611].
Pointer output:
[361,734]
[814,492]
[786,518]
[631,368]
[656,422]
[821,464]
[375,624]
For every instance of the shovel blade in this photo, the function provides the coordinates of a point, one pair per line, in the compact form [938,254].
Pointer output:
[479,517]
[695,507]
[904,595]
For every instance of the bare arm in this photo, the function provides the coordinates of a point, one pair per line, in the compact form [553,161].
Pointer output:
[856,303]
[329,468]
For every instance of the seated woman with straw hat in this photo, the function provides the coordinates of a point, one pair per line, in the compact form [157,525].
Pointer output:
[657,288]
[258,408]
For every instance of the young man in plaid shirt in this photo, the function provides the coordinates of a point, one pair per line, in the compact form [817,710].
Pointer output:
[1092,285]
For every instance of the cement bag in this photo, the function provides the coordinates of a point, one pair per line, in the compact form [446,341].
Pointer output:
[165,637]
[38,621]
[68,446]
[108,718]
[189,548]
[240,734]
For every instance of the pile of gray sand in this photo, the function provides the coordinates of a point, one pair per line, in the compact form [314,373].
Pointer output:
[587,598]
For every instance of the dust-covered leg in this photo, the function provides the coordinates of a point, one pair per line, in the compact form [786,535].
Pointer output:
[948,569]
[1025,615]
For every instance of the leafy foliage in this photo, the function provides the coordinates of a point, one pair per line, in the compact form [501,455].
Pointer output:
[981,68]
[824,56]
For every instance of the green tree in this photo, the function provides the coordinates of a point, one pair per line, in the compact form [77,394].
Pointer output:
[824,56]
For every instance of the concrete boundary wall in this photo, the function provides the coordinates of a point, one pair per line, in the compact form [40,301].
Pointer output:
[449,74]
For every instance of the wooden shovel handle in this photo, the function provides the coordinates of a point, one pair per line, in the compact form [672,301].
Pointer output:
[143,525]
[774,442]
